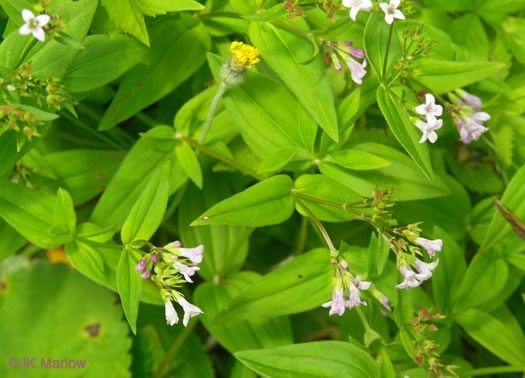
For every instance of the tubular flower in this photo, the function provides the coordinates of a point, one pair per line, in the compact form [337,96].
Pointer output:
[344,51]
[345,286]
[430,245]
[467,116]
[190,310]
[171,315]
[415,278]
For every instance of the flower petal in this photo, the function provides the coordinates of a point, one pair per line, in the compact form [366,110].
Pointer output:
[43,19]
[27,15]
[24,30]
[39,34]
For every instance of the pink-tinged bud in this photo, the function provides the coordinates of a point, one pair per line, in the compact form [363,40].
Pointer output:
[154,258]
[358,53]
[177,244]
[145,275]
[349,43]
[141,265]
[288,5]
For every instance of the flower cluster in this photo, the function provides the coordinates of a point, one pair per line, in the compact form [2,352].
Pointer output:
[425,349]
[19,119]
[430,111]
[164,266]
[293,9]
[329,7]
[346,288]
[381,203]
[467,115]
[344,51]
[21,83]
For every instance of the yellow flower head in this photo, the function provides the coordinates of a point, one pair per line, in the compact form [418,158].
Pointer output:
[244,54]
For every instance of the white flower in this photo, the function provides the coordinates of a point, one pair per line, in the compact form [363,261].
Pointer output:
[357,70]
[356,6]
[428,130]
[430,110]
[425,269]
[391,12]
[34,24]
[171,315]
[430,245]
[355,293]
[410,280]
[337,304]
[11,87]
[186,271]
[194,254]
[189,310]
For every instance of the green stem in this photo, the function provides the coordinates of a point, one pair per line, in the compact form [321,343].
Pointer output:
[317,222]
[175,348]
[362,317]
[494,370]
[390,32]
[301,238]
[208,151]
[342,206]
[211,112]
[205,16]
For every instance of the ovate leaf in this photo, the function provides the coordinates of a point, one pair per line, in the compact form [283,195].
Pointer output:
[147,213]
[157,76]
[315,359]
[300,285]
[266,203]
[358,160]
[284,50]
[189,162]
[445,76]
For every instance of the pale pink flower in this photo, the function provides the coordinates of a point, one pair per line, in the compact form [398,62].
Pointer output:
[171,315]
[431,246]
[190,310]
[186,271]
[430,110]
[194,254]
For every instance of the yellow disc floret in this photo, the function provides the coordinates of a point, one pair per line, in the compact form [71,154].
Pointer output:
[244,54]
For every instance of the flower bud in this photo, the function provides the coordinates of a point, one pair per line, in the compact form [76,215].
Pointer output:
[231,76]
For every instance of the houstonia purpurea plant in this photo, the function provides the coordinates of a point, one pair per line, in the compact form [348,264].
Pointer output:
[242,188]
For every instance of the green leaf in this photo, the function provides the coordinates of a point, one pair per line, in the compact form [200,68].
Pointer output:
[283,50]
[448,276]
[512,199]
[64,216]
[150,152]
[315,359]
[267,115]
[469,33]
[158,7]
[405,132]
[147,213]
[378,252]
[265,203]
[277,160]
[485,279]
[157,76]
[403,175]
[494,335]
[129,285]
[77,320]
[300,285]
[358,160]
[33,215]
[241,335]
[105,58]
[226,247]
[94,255]
[13,8]
[327,189]
[84,173]
[445,76]
[514,29]
[376,41]
[189,163]
[10,240]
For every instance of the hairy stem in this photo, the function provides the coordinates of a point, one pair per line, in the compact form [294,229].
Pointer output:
[211,112]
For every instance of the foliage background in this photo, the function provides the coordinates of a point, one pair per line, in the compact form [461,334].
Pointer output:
[148,70]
